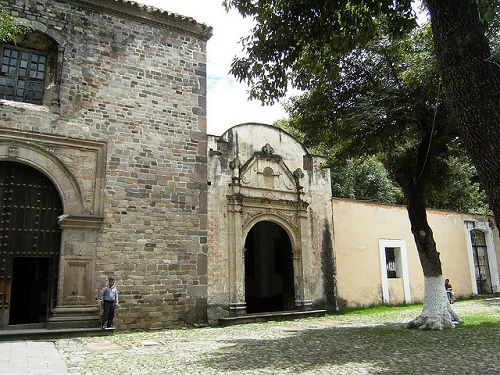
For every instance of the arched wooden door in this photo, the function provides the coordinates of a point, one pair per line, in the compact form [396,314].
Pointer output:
[29,246]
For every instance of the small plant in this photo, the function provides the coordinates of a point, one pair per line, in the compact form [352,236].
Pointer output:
[9,30]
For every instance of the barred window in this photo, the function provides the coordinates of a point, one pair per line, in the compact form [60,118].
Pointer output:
[390,262]
[22,75]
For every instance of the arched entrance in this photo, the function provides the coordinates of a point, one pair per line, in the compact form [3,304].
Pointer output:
[269,280]
[29,252]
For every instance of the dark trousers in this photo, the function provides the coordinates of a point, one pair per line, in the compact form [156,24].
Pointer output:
[108,313]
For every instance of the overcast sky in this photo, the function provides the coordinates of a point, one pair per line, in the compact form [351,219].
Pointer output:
[227,99]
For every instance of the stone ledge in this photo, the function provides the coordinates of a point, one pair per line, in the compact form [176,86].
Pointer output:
[47,333]
[264,317]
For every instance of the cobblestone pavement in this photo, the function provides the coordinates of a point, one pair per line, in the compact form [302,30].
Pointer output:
[345,344]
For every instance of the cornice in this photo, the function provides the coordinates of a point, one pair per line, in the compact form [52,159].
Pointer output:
[80,221]
[151,14]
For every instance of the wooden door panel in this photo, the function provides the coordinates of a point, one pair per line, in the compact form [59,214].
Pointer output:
[29,207]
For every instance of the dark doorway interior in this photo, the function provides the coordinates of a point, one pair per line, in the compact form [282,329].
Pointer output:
[29,251]
[30,288]
[269,281]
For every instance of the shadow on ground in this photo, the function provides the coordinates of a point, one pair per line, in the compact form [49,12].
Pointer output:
[377,350]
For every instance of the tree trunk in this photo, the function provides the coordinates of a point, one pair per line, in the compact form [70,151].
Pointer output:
[471,87]
[437,312]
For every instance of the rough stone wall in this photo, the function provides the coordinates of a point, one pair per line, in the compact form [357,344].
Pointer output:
[140,88]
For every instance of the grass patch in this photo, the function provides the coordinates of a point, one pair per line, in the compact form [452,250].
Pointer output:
[474,313]
[481,319]
[379,309]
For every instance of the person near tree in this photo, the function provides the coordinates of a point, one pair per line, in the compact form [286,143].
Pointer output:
[449,290]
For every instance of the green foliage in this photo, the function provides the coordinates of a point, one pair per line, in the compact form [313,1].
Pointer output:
[382,107]
[383,101]
[454,186]
[383,310]
[9,31]
[302,42]
[362,179]
[480,319]
[379,109]
[458,188]
[474,313]
[365,179]
[489,12]
[370,90]
[294,132]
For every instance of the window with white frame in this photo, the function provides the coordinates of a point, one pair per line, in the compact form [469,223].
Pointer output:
[394,266]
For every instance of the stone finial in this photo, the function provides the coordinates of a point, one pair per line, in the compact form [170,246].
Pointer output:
[298,174]
[235,163]
[267,149]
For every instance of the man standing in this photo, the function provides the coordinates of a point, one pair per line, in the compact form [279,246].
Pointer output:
[109,300]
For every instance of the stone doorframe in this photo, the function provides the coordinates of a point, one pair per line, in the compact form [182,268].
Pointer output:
[75,305]
[243,214]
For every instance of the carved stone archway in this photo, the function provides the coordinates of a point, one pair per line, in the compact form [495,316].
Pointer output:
[75,303]
[259,173]
[244,213]
[47,163]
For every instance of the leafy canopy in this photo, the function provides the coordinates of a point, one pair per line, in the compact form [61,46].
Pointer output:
[379,109]
[301,42]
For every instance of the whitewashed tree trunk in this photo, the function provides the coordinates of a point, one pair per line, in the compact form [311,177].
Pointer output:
[437,312]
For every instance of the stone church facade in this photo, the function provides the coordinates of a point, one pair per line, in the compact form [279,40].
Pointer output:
[106,169]
[106,100]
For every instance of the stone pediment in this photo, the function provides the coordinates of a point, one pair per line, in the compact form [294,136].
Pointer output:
[265,174]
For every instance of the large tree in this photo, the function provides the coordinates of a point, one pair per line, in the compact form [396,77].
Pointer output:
[470,71]
[306,44]
[301,42]
[370,113]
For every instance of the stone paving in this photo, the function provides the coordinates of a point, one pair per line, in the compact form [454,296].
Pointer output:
[30,357]
[341,344]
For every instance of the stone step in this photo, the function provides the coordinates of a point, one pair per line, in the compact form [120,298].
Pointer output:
[12,334]
[264,317]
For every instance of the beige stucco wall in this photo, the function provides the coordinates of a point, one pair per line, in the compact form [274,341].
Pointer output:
[358,227]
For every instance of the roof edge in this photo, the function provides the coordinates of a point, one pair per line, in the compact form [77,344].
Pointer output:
[151,14]
[402,206]
[268,126]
